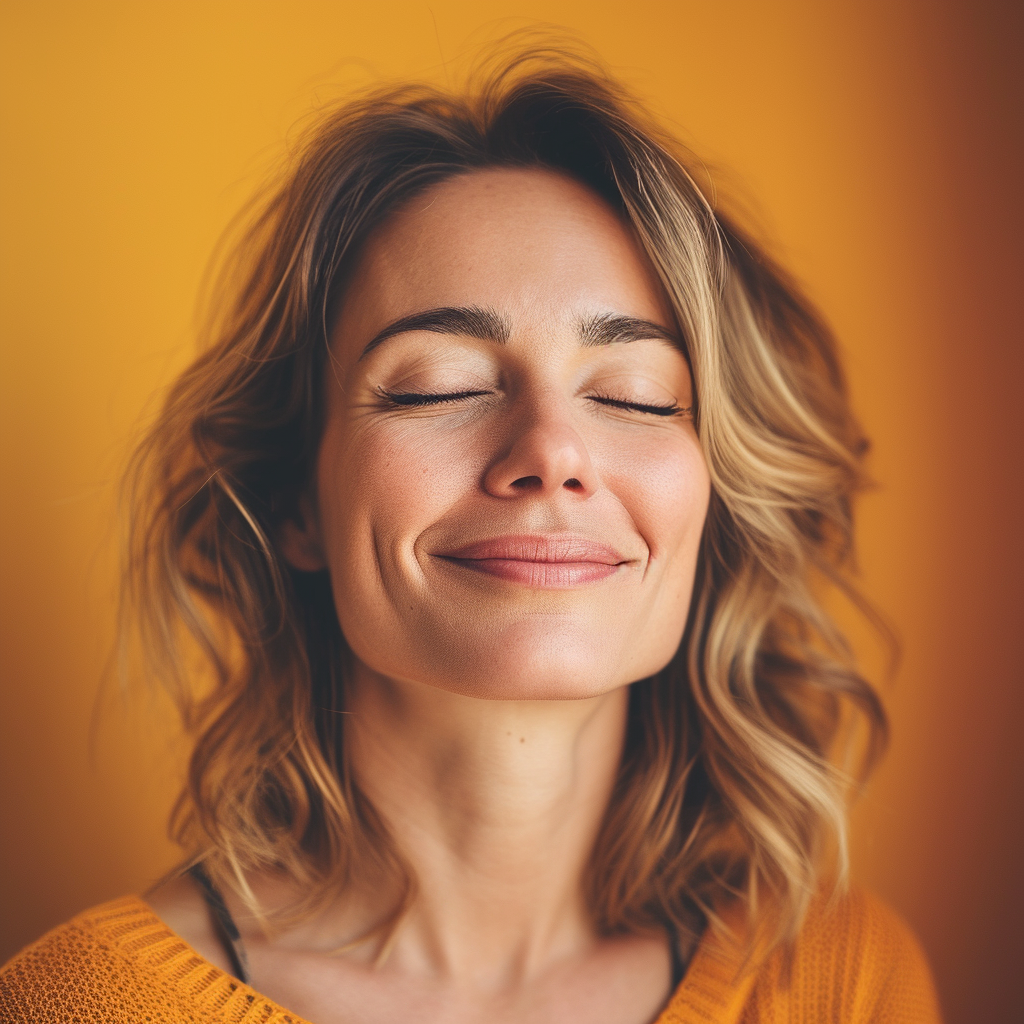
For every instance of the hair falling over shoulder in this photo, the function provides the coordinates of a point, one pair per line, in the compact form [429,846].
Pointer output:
[733,785]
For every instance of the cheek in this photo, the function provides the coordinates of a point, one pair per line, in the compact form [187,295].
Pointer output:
[671,489]
[379,488]
[666,489]
[382,485]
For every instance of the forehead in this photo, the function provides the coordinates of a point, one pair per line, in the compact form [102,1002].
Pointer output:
[533,244]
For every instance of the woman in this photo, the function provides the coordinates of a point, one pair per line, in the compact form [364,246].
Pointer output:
[500,506]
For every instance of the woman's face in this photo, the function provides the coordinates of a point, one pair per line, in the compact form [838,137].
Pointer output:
[509,493]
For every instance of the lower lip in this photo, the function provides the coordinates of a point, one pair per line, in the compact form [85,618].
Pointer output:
[553,575]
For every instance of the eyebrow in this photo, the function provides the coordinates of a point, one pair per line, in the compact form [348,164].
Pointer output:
[488,325]
[467,321]
[612,328]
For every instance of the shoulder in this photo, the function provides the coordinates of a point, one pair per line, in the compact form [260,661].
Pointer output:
[854,959]
[116,962]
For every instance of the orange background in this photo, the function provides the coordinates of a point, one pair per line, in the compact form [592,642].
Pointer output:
[876,143]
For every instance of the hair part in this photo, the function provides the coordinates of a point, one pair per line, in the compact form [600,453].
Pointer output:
[729,787]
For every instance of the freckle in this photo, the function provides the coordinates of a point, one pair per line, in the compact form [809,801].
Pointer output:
[522,739]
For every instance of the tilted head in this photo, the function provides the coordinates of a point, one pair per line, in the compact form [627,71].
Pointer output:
[509,492]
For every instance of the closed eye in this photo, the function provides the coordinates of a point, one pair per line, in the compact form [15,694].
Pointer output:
[427,398]
[670,409]
[421,398]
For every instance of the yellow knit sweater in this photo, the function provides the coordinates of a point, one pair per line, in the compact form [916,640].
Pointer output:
[120,964]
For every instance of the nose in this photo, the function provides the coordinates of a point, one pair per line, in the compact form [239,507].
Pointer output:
[541,455]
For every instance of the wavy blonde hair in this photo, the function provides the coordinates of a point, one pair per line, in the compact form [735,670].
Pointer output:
[729,786]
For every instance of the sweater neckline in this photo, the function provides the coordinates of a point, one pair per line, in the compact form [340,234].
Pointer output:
[711,990]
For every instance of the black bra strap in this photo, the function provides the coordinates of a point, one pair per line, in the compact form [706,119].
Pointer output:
[227,930]
[679,965]
[232,940]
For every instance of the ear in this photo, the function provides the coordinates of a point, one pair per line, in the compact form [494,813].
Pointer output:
[299,539]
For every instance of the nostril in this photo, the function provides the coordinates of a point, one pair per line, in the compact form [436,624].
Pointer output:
[573,484]
[527,483]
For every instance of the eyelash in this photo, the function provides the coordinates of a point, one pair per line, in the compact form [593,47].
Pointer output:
[424,398]
[414,398]
[655,410]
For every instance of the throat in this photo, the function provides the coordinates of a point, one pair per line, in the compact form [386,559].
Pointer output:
[494,807]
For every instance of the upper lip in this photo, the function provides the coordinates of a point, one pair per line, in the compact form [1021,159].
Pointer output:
[539,547]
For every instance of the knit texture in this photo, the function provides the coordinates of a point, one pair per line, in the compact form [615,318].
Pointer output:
[120,964]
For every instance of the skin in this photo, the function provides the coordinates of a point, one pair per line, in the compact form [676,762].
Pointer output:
[488,698]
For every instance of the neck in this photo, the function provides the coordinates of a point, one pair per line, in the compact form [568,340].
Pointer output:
[495,807]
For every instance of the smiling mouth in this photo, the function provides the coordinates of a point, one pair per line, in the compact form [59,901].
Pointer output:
[553,561]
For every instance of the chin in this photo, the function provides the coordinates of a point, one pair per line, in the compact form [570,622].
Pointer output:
[518,686]
[555,662]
